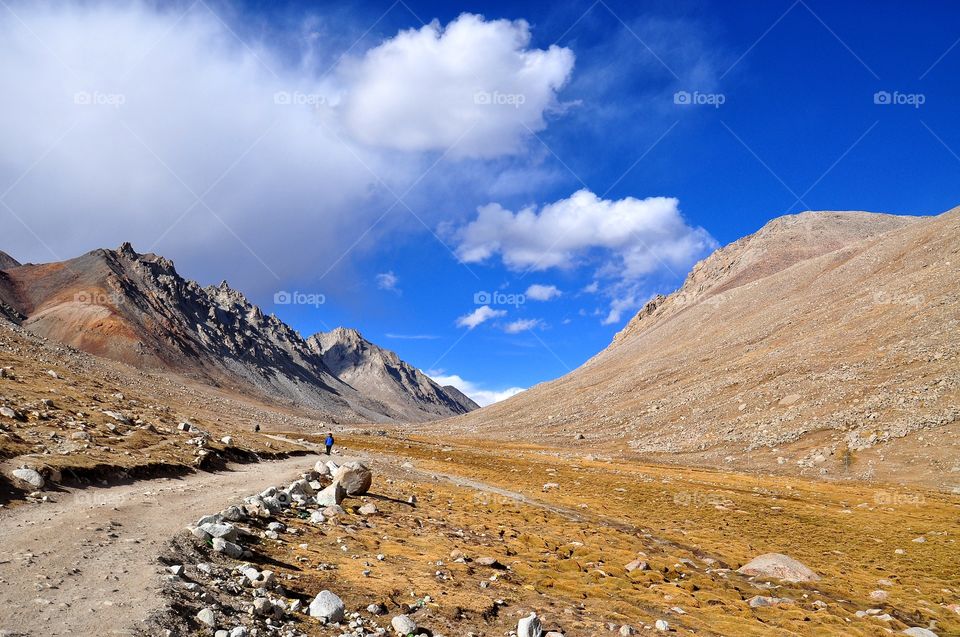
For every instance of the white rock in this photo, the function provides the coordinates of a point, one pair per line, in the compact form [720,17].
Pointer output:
[916,631]
[662,625]
[530,626]
[328,607]
[223,530]
[227,440]
[30,477]
[207,617]
[331,496]
[778,566]
[355,477]
[227,548]
[403,625]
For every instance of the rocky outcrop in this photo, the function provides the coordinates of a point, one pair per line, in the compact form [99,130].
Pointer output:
[380,374]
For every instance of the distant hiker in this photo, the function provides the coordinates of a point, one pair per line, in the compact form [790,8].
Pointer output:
[256,427]
[329,442]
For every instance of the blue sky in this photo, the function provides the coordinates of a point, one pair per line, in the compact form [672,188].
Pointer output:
[326,149]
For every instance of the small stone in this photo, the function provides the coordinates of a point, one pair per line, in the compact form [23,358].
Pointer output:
[207,617]
[636,565]
[227,548]
[662,625]
[176,570]
[227,440]
[760,601]
[916,631]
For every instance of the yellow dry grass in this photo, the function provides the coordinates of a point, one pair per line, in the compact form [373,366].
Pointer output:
[567,547]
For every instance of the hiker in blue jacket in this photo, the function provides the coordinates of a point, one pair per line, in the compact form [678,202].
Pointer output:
[329,442]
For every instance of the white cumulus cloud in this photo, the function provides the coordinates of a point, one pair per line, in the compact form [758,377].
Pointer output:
[539,292]
[480,315]
[642,235]
[481,396]
[474,85]
[158,126]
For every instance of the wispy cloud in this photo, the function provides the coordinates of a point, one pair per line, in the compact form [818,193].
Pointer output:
[413,337]
[480,315]
[521,325]
[388,281]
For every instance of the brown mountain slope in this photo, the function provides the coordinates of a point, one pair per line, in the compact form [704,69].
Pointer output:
[825,343]
[379,373]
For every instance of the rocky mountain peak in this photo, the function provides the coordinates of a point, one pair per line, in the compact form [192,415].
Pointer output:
[6,261]
[381,373]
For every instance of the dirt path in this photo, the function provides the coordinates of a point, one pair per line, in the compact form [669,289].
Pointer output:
[86,563]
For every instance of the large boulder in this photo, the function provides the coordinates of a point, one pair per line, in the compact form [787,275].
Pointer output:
[327,607]
[778,566]
[355,477]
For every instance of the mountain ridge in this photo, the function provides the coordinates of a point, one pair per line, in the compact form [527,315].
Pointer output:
[137,309]
[379,372]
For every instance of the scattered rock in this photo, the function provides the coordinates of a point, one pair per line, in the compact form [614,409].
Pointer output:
[332,495]
[760,601]
[327,607]
[355,477]
[530,626]
[227,548]
[778,566]
[662,625]
[207,617]
[29,477]
[403,625]
[916,631]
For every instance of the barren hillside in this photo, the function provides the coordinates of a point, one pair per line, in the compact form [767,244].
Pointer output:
[826,343]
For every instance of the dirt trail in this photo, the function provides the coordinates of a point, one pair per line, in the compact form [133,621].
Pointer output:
[86,563]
